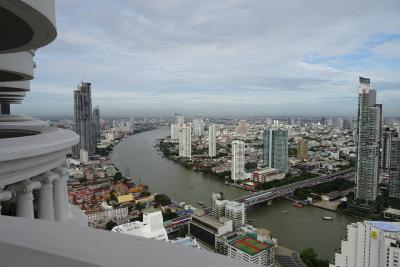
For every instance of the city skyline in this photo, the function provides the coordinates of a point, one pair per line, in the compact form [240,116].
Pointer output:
[211,58]
[283,188]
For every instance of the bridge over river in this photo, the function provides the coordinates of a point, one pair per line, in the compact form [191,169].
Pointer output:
[270,194]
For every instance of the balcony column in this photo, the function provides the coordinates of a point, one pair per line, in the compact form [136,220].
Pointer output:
[63,172]
[46,202]
[4,196]
[60,200]
[25,198]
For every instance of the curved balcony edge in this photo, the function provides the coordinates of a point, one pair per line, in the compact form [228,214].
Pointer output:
[39,150]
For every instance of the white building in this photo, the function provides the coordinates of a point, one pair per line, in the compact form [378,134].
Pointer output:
[249,249]
[84,156]
[238,160]
[212,143]
[36,218]
[370,244]
[236,212]
[106,215]
[151,227]
[232,210]
[185,141]
[198,127]
[174,131]
[179,119]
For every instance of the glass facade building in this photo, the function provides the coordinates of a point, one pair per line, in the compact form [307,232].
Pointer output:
[368,142]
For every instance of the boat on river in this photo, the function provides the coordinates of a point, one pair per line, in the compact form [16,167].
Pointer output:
[297,204]
[201,203]
[327,218]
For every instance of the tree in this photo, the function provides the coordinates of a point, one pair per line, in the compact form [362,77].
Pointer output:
[183,231]
[162,200]
[146,194]
[110,225]
[310,258]
[118,177]
[140,206]
[169,215]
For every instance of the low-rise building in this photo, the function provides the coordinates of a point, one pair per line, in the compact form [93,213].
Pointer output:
[266,175]
[207,229]
[106,215]
[151,227]
[247,247]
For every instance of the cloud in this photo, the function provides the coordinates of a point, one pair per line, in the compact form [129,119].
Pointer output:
[390,50]
[196,54]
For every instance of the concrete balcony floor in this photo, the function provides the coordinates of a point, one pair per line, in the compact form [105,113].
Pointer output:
[26,242]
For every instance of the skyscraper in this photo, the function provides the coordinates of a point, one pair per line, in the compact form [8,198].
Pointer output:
[394,167]
[386,143]
[276,149]
[212,146]
[185,140]
[198,127]
[238,160]
[179,120]
[367,142]
[302,149]
[83,119]
[95,127]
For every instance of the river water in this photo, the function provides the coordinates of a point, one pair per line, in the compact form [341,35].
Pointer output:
[298,229]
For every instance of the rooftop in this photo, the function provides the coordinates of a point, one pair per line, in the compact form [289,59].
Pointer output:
[386,226]
[250,245]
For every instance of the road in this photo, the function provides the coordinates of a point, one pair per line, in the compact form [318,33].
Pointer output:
[270,194]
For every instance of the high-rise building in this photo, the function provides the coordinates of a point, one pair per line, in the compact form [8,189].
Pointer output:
[35,213]
[394,167]
[276,149]
[185,141]
[302,149]
[198,127]
[83,119]
[339,123]
[179,120]
[174,131]
[346,124]
[238,160]
[236,212]
[370,244]
[95,127]
[386,143]
[212,141]
[323,121]
[242,128]
[367,142]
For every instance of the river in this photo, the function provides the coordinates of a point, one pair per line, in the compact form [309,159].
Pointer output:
[299,229]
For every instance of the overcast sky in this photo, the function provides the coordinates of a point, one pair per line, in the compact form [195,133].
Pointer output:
[236,57]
